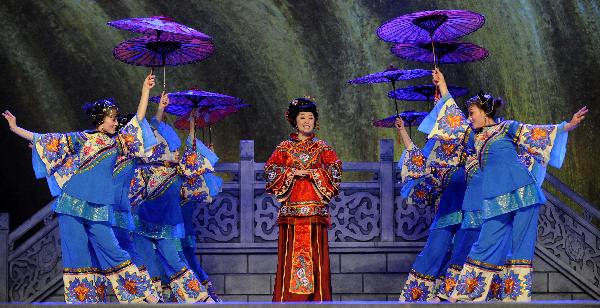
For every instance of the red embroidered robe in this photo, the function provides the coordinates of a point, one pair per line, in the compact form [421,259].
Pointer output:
[303,251]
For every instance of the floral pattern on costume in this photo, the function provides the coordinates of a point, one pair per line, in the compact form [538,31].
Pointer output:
[471,284]
[414,163]
[131,286]
[302,281]
[527,284]
[537,140]
[449,282]
[416,291]
[80,290]
[100,285]
[186,288]
[495,292]
[511,285]
[450,123]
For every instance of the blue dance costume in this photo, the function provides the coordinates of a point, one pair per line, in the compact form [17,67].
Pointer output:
[499,263]
[434,181]
[188,243]
[78,167]
[158,189]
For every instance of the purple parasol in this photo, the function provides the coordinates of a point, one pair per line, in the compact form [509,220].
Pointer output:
[155,25]
[182,103]
[410,117]
[168,50]
[424,93]
[206,116]
[446,52]
[428,26]
[391,74]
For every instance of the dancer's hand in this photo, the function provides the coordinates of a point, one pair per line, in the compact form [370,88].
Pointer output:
[149,83]
[12,124]
[303,173]
[437,77]
[439,81]
[577,118]
[11,119]
[399,124]
[164,99]
[402,134]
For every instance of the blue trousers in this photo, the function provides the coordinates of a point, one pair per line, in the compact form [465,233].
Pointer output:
[124,238]
[435,253]
[463,241]
[189,253]
[510,236]
[78,235]
[165,255]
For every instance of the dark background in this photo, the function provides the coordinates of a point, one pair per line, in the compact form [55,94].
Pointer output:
[55,55]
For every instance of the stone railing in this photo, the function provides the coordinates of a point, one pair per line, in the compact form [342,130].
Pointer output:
[368,215]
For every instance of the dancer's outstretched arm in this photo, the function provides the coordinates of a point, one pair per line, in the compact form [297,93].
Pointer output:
[160,111]
[439,81]
[193,125]
[402,133]
[577,118]
[143,105]
[12,123]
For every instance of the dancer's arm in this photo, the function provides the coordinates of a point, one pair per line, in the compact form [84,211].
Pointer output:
[402,134]
[193,126]
[143,105]
[12,123]
[440,81]
[160,111]
[576,120]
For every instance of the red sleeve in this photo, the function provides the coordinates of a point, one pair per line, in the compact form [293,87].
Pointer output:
[279,176]
[328,175]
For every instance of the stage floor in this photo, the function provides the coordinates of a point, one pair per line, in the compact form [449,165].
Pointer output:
[346,304]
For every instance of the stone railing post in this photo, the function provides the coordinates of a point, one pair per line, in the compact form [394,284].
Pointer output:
[386,188]
[4,257]
[247,191]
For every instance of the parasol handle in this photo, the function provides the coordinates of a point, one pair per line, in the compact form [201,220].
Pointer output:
[395,101]
[433,52]
[209,136]
[164,77]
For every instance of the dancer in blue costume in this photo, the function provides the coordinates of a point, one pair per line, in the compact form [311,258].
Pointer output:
[188,243]
[123,221]
[499,264]
[469,228]
[472,220]
[434,176]
[161,183]
[78,167]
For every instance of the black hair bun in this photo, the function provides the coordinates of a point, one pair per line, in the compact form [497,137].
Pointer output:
[305,104]
[97,110]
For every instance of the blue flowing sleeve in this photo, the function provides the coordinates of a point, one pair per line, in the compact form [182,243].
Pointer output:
[147,135]
[167,132]
[196,185]
[204,151]
[547,144]
[445,121]
[55,156]
[428,122]
[132,138]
